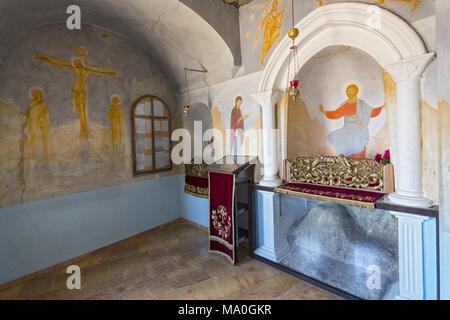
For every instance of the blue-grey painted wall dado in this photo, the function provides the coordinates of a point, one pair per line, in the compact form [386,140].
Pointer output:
[195,209]
[40,234]
[445,266]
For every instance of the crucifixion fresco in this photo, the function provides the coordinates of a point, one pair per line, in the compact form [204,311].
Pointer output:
[82,70]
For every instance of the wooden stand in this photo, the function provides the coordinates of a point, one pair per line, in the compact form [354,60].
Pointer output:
[243,170]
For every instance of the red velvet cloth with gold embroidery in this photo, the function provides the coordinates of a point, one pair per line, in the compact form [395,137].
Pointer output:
[221,209]
[355,197]
[197,186]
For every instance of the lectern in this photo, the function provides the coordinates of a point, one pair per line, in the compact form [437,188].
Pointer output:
[229,181]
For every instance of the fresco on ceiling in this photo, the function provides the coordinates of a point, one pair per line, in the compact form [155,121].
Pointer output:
[344,107]
[414,3]
[65,123]
[269,27]
[256,50]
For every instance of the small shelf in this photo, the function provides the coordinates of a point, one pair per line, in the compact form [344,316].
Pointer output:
[243,235]
[242,208]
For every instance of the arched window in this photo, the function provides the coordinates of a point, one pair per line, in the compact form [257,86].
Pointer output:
[151,131]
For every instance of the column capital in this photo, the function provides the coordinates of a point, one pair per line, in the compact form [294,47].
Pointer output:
[267,98]
[410,68]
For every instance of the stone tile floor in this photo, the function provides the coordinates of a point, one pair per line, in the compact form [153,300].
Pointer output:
[169,262]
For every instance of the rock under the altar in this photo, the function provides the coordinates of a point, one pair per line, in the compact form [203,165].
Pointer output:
[349,248]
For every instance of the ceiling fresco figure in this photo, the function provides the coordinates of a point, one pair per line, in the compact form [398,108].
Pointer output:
[414,3]
[82,70]
[353,138]
[38,121]
[271,23]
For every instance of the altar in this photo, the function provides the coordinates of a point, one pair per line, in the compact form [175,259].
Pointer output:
[332,224]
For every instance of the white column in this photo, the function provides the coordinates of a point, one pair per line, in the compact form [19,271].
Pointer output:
[407,74]
[410,244]
[272,246]
[268,101]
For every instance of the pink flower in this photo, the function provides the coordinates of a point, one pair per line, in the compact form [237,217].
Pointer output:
[387,155]
[378,157]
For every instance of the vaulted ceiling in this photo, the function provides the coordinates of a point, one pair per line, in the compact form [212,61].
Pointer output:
[178,34]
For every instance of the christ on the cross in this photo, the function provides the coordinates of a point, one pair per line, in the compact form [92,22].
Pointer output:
[82,70]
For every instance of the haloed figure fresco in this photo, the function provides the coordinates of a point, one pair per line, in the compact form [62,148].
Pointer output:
[115,115]
[270,26]
[353,138]
[38,121]
[82,70]
[237,126]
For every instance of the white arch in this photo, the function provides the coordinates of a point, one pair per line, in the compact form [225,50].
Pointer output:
[394,44]
[345,24]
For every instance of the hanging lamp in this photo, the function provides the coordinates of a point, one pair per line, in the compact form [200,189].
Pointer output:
[186,107]
[293,84]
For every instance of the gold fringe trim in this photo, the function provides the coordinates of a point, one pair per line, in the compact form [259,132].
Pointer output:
[365,205]
[213,238]
[196,191]
[223,255]
[196,194]
[221,241]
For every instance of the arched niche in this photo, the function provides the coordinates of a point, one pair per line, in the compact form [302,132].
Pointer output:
[199,114]
[394,44]
[325,78]
[348,24]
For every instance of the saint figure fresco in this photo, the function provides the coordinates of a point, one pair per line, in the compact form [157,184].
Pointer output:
[82,70]
[115,115]
[237,125]
[353,138]
[38,121]
[271,24]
